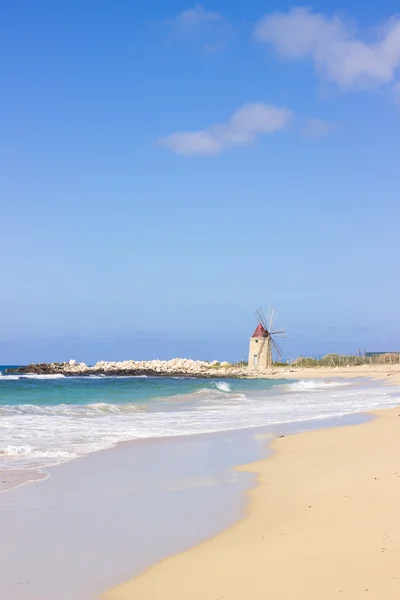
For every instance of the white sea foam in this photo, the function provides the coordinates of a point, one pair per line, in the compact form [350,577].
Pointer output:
[13,377]
[37,376]
[310,384]
[34,436]
[223,386]
[7,377]
[30,451]
[11,450]
[103,376]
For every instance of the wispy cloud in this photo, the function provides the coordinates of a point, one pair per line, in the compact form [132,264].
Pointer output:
[335,48]
[196,17]
[205,28]
[317,128]
[242,128]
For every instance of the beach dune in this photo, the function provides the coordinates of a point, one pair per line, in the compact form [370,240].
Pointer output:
[323,523]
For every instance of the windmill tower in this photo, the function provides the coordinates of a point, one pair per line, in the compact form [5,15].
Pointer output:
[263,343]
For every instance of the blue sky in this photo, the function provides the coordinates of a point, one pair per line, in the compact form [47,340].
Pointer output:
[168,167]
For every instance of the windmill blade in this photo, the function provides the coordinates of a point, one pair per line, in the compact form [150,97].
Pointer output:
[279,333]
[258,316]
[268,325]
[272,319]
[277,348]
[265,324]
[261,318]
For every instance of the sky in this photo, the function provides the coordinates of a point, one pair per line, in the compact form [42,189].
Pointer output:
[168,167]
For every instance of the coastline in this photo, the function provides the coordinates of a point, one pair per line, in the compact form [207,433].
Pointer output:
[10,479]
[135,504]
[190,369]
[131,488]
[324,510]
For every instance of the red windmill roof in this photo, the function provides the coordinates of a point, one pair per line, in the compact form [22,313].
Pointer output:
[260,331]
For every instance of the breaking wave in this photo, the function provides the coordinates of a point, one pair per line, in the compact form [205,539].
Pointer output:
[7,377]
[223,386]
[310,384]
[28,450]
[45,424]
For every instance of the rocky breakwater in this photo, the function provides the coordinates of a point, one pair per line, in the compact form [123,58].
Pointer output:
[178,367]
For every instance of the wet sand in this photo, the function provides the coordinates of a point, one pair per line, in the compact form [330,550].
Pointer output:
[323,522]
[99,519]
[14,478]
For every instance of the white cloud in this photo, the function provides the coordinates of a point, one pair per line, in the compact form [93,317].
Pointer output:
[338,54]
[195,17]
[317,127]
[203,28]
[241,129]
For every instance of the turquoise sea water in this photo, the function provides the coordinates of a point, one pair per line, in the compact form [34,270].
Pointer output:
[132,505]
[52,390]
[46,420]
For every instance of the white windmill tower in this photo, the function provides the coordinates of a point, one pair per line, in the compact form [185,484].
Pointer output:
[263,343]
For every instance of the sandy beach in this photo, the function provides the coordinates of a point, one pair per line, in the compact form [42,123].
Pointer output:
[383,372]
[323,521]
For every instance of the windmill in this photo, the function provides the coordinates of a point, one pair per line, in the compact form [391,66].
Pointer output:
[263,342]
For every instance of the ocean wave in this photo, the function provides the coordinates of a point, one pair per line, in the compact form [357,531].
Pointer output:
[37,376]
[27,450]
[217,391]
[223,386]
[12,450]
[34,435]
[311,384]
[104,376]
[70,410]
[7,377]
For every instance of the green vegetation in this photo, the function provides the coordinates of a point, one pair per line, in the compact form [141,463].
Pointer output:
[338,360]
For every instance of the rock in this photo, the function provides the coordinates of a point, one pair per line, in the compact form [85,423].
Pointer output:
[178,367]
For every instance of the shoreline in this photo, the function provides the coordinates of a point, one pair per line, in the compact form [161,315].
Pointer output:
[241,549]
[10,480]
[200,370]
[120,499]
[192,479]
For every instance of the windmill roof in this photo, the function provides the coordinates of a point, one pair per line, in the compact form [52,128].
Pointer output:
[260,331]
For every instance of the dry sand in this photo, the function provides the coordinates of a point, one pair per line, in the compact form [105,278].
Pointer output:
[323,523]
[370,371]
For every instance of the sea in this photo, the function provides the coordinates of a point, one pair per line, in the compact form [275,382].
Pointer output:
[102,477]
[46,420]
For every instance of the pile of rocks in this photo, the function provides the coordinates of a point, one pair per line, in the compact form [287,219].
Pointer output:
[176,367]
